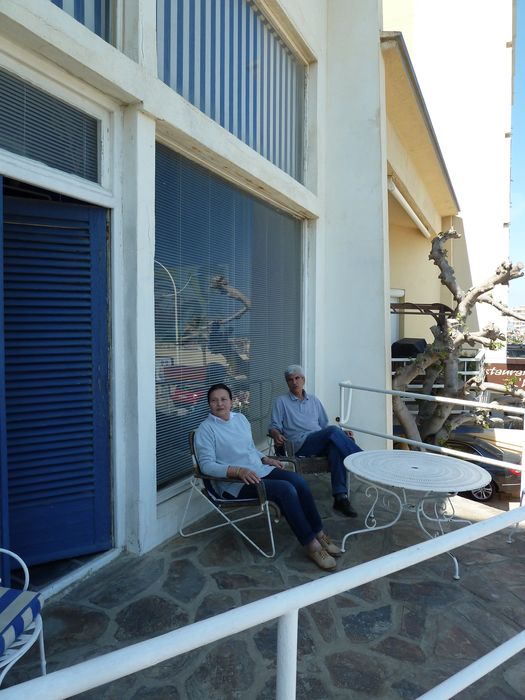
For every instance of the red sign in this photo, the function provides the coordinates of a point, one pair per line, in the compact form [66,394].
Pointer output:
[498,373]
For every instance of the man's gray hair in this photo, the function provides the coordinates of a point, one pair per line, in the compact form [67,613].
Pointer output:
[293,369]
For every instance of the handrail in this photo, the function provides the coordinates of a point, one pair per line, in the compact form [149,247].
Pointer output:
[345,405]
[477,669]
[347,384]
[282,606]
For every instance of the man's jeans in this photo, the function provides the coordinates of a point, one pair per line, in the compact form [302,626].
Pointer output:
[336,445]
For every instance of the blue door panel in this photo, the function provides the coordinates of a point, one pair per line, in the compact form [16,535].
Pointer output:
[56,378]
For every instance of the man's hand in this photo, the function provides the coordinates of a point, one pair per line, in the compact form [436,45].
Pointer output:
[278,438]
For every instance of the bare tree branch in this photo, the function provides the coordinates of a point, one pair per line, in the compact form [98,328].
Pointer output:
[438,255]
[486,337]
[488,299]
[221,284]
[453,423]
[507,389]
[505,272]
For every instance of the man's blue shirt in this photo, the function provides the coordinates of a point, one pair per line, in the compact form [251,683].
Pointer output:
[296,418]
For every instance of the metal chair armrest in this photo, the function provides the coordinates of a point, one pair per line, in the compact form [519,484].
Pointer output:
[292,461]
[261,490]
[22,564]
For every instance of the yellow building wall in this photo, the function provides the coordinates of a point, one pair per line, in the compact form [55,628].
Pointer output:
[412,271]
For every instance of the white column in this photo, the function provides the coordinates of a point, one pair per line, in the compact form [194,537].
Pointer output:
[354,286]
[134,355]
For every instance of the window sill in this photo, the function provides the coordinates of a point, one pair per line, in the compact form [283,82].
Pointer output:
[173,490]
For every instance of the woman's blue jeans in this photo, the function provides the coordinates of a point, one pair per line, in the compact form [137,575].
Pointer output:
[336,445]
[294,498]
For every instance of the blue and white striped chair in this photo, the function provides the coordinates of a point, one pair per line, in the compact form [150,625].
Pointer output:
[20,622]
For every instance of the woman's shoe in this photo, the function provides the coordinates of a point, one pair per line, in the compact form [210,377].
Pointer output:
[327,544]
[322,559]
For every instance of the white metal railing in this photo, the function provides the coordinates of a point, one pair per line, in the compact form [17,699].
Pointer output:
[283,607]
[345,405]
[464,362]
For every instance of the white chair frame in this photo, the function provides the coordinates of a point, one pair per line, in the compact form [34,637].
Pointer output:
[221,505]
[24,641]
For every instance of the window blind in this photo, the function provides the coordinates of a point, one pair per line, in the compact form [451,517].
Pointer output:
[37,125]
[227,303]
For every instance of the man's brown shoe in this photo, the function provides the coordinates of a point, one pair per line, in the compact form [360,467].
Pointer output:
[322,559]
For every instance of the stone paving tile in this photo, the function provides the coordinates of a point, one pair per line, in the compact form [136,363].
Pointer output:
[391,638]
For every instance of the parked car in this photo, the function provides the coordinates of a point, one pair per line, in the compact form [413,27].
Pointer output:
[503,479]
[498,444]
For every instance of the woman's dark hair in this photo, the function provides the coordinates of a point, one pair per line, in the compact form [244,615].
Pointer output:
[219,386]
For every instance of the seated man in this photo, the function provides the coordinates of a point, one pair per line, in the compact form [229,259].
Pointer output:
[301,418]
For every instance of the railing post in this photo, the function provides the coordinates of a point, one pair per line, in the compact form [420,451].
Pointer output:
[287,655]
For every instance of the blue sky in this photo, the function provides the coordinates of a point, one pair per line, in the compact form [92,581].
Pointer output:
[517,212]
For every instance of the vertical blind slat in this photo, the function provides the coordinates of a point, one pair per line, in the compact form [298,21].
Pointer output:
[225,58]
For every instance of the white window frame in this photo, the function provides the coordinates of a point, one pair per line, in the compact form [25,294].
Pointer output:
[51,79]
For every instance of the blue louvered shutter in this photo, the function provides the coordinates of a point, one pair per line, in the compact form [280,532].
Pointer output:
[56,379]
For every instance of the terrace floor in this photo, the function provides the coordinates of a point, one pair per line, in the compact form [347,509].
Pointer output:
[394,638]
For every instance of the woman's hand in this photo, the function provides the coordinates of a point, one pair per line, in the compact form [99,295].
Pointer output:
[248,476]
[244,474]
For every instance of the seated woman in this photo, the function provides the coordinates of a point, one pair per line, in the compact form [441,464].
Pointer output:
[224,447]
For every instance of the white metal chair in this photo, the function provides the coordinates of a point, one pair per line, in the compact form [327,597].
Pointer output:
[202,484]
[20,621]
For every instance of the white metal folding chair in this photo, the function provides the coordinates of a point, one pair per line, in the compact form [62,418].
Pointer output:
[20,621]
[202,485]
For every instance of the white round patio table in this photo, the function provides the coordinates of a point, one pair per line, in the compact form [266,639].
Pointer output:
[417,471]
[433,478]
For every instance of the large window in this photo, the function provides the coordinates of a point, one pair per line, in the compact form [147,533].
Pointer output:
[226,59]
[227,303]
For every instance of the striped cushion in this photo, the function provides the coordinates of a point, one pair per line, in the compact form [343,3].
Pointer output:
[18,609]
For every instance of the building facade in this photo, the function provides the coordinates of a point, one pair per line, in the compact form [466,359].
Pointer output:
[469,100]
[193,191]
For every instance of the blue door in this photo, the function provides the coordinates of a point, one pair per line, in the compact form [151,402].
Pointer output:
[54,379]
